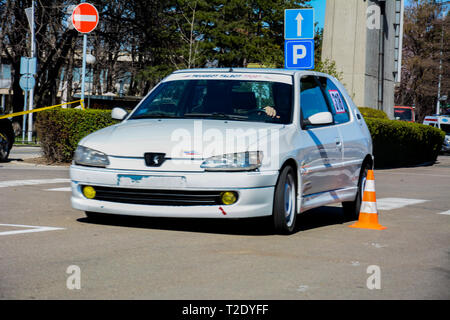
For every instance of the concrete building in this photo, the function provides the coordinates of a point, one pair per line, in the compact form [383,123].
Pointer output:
[364,38]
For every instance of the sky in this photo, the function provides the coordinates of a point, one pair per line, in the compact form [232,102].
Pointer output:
[319,11]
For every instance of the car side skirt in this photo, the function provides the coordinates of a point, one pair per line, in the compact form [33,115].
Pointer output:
[329,197]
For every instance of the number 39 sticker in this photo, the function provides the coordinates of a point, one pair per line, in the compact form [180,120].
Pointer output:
[337,101]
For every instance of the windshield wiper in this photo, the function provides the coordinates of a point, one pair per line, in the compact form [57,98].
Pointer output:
[219,115]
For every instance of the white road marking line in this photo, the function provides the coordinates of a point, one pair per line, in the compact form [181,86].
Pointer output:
[17,183]
[29,229]
[396,203]
[445,212]
[67,189]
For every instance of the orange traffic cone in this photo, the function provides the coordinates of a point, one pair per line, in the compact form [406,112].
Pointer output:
[368,215]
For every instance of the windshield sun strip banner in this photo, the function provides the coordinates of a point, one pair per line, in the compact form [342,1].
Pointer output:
[231,76]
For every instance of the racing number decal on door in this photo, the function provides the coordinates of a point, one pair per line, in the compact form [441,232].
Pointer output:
[337,101]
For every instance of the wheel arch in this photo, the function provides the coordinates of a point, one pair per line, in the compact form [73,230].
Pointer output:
[294,165]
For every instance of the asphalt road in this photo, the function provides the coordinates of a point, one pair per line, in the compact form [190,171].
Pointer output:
[137,258]
[20,153]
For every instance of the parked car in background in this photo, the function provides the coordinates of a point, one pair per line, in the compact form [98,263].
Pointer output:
[404,113]
[441,122]
[6,138]
[228,143]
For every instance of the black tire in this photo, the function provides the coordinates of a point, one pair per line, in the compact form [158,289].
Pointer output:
[285,202]
[352,208]
[4,147]
[6,138]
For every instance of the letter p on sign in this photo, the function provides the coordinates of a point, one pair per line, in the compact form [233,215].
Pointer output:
[299,53]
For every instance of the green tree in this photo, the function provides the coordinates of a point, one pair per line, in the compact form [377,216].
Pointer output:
[238,32]
[426,34]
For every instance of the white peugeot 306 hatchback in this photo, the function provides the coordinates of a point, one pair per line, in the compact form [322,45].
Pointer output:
[228,143]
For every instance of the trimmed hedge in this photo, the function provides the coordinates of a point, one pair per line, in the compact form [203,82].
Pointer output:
[60,130]
[372,113]
[399,143]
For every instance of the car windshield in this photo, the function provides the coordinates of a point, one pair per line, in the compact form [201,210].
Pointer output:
[240,100]
[403,114]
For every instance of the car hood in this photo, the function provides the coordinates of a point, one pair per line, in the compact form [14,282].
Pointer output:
[180,138]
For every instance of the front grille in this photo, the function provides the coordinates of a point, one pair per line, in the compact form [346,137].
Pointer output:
[158,197]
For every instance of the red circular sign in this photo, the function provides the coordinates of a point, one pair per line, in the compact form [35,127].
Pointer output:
[85,17]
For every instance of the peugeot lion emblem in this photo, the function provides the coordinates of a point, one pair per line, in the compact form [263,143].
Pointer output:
[154,159]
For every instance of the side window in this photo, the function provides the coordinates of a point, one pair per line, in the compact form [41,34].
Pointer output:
[312,100]
[336,101]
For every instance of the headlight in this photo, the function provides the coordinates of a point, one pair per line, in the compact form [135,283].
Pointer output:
[88,157]
[242,161]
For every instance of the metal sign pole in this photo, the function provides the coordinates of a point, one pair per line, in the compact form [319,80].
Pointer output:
[83,71]
[24,122]
[31,98]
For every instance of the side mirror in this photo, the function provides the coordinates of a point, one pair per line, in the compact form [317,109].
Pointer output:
[321,118]
[118,114]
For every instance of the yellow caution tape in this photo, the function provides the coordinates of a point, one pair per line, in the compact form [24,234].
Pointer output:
[41,109]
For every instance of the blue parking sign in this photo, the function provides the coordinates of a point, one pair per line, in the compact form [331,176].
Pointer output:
[299,54]
[298,24]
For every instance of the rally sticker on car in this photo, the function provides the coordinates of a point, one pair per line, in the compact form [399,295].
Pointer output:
[231,76]
[337,101]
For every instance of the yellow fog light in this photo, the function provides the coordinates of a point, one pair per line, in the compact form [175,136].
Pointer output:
[228,197]
[89,192]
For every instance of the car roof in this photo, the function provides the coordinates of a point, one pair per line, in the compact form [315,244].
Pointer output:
[252,70]
[434,116]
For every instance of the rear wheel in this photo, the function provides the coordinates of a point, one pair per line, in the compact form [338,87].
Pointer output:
[352,208]
[285,202]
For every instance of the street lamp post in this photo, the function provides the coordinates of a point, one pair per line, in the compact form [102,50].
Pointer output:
[438,103]
[90,60]
[31,96]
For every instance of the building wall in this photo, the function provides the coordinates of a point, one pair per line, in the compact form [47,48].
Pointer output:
[356,50]
[344,41]
[389,60]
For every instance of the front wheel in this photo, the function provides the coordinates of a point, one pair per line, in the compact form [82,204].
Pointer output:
[285,202]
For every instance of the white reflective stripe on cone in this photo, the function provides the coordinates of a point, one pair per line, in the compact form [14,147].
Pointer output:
[369,207]
[370,185]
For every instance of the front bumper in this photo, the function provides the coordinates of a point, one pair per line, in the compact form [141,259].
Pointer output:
[255,190]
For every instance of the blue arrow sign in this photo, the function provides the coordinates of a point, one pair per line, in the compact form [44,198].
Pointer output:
[299,24]
[299,54]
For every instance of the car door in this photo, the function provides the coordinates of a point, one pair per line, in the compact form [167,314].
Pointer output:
[353,141]
[321,150]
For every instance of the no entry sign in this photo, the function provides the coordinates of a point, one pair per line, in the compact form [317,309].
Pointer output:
[85,17]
